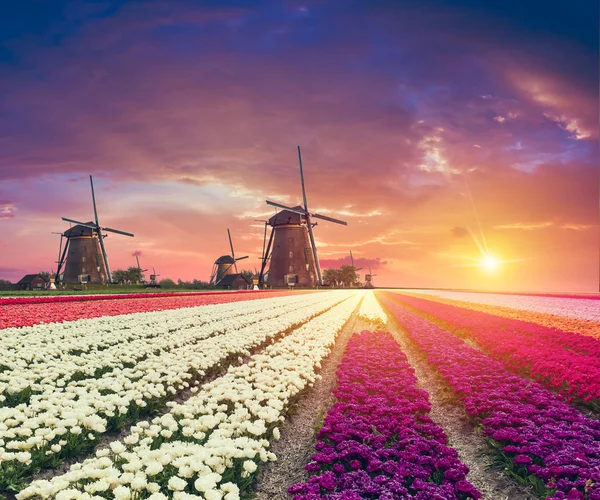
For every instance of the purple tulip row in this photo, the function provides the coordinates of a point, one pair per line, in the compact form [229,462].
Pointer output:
[378,440]
[535,434]
[562,361]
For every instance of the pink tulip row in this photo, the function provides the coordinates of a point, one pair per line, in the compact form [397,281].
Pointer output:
[562,361]
[378,440]
[532,431]
[29,314]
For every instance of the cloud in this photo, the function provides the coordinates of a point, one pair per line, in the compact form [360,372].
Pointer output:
[544,225]
[459,231]
[526,226]
[7,210]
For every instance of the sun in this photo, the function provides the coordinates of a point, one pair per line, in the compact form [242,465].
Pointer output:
[489,262]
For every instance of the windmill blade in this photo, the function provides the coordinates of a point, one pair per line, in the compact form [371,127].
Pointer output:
[94,201]
[302,179]
[330,219]
[104,257]
[61,261]
[241,258]
[231,244]
[266,256]
[262,255]
[116,231]
[314,250]
[279,205]
[85,224]
[351,258]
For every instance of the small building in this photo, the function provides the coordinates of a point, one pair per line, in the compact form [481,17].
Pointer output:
[33,282]
[234,282]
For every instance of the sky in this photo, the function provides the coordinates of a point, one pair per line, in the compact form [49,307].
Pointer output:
[439,130]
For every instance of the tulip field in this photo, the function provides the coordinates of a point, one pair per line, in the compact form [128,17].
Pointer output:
[329,394]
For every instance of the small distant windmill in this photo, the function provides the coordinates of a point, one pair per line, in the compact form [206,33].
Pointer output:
[369,279]
[84,257]
[224,265]
[291,251]
[153,283]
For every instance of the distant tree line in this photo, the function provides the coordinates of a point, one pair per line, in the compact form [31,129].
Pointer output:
[134,275]
[343,277]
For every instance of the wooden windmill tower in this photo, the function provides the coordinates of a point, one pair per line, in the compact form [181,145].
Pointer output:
[84,256]
[291,251]
[224,265]
[369,279]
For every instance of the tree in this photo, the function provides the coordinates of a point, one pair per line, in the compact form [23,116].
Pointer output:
[5,282]
[348,276]
[167,283]
[332,276]
[249,275]
[120,276]
[45,274]
[134,275]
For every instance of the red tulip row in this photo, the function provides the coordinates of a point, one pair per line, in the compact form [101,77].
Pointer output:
[11,301]
[562,361]
[29,314]
[534,434]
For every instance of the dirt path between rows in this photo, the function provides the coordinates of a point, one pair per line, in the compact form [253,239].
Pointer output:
[298,433]
[451,416]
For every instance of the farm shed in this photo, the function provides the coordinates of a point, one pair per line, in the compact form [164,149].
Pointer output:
[234,282]
[33,282]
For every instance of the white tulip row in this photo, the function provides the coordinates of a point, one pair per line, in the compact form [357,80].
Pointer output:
[209,446]
[371,311]
[579,308]
[45,356]
[60,422]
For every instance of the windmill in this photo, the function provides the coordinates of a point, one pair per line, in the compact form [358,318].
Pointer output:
[369,279]
[224,265]
[153,283]
[355,268]
[291,251]
[84,256]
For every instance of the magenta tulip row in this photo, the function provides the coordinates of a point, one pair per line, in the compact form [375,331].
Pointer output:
[378,440]
[562,361]
[532,430]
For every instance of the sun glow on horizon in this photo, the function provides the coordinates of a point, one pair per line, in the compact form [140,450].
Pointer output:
[490,263]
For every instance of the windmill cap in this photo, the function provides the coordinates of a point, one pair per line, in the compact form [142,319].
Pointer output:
[79,230]
[287,217]
[225,259]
